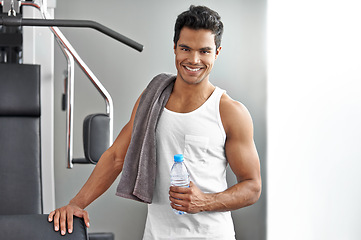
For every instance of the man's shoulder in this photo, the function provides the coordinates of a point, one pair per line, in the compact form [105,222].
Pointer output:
[161,77]
[159,83]
[233,113]
[228,104]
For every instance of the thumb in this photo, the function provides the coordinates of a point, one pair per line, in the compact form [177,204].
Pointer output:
[83,214]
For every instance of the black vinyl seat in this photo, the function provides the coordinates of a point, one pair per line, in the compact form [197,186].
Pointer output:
[36,227]
[20,158]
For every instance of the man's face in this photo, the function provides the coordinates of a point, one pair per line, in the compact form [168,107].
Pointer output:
[195,53]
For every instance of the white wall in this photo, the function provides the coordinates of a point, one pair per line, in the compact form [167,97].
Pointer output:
[314,117]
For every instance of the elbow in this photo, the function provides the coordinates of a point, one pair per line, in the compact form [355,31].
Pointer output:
[256,191]
[118,162]
[114,159]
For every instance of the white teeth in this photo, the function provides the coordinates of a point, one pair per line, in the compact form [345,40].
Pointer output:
[192,69]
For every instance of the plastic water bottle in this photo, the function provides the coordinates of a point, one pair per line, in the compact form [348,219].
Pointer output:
[179,176]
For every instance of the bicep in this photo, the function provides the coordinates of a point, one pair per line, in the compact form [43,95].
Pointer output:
[120,146]
[243,159]
[240,148]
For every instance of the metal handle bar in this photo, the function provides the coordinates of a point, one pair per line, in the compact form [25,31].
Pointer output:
[14,21]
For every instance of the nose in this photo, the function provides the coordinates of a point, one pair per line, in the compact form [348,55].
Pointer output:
[194,58]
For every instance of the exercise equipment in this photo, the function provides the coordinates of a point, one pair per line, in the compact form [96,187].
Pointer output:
[104,126]
[21,210]
[20,128]
[20,158]
[36,227]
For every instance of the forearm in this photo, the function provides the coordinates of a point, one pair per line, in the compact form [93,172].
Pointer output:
[104,174]
[238,196]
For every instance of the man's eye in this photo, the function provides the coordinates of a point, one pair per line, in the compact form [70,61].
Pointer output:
[205,52]
[185,49]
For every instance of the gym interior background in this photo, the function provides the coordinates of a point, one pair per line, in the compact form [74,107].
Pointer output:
[124,72]
[309,80]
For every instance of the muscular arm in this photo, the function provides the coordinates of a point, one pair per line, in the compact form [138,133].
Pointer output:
[104,174]
[243,159]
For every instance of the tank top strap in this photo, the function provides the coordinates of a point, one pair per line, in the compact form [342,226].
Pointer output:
[218,92]
[215,98]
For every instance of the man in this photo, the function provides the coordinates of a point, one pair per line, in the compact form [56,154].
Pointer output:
[207,126]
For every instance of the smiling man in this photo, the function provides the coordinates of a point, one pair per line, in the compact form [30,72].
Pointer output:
[203,123]
[195,53]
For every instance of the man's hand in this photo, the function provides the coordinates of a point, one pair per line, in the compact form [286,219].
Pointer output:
[64,216]
[190,200]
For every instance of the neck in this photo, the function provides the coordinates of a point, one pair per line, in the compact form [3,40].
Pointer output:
[188,97]
[185,90]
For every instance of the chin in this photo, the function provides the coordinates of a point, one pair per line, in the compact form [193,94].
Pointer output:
[193,81]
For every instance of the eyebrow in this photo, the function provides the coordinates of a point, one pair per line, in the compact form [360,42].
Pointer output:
[202,49]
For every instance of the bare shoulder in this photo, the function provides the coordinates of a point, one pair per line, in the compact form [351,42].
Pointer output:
[235,116]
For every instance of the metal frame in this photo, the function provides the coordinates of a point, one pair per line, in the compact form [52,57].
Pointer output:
[71,55]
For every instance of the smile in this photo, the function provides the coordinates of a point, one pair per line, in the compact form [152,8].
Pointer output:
[192,69]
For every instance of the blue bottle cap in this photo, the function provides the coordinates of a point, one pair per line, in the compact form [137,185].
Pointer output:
[178,158]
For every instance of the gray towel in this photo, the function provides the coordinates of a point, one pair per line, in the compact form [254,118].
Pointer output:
[139,170]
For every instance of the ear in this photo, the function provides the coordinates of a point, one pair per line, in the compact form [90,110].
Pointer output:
[174,47]
[217,52]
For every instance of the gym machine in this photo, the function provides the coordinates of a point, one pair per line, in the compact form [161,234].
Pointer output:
[20,117]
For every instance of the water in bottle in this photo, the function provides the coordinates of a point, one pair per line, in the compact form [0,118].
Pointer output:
[179,175]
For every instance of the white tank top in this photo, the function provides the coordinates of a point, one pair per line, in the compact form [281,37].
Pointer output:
[198,135]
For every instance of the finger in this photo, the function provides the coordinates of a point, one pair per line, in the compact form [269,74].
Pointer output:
[86,218]
[176,201]
[69,220]
[50,216]
[63,222]
[173,197]
[178,189]
[80,213]
[56,220]
[178,195]
[178,207]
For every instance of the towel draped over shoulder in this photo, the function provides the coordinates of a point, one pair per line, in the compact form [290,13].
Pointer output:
[139,170]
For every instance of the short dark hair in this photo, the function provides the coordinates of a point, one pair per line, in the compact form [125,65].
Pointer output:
[199,17]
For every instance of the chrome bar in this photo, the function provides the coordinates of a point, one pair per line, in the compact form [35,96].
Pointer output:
[69,23]
[70,105]
[68,49]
